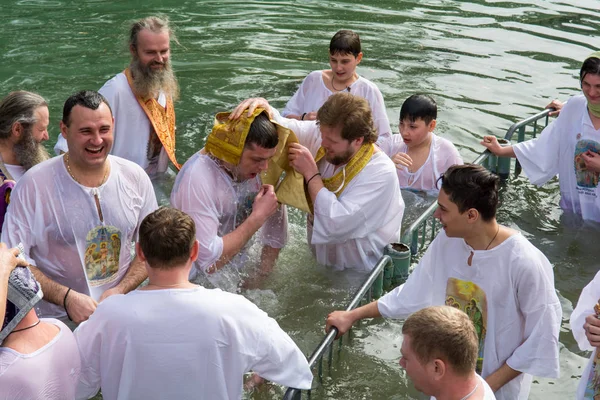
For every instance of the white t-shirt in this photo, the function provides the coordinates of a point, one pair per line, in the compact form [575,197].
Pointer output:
[51,372]
[313,93]
[183,344]
[590,295]
[132,126]
[57,221]
[16,171]
[508,291]
[557,151]
[352,231]
[218,205]
[442,155]
[488,394]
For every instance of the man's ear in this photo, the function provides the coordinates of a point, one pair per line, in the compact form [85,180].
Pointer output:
[139,253]
[432,125]
[472,215]
[359,57]
[17,129]
[195,250]
[63,129]
[439,369]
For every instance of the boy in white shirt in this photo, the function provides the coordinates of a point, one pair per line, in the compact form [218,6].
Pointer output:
[420,155]
[344,56]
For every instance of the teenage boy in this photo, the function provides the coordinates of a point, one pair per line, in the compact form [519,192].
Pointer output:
[344,56]
[491,272]
[420,155]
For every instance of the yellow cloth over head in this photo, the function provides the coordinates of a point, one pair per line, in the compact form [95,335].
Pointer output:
[226,142]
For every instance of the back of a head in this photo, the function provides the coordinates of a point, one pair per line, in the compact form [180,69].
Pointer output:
[86,98]
[472,186]
[446,333]
[345,42]
[591,65]
[262,133]
[166,238]
[18,107]
[155,24]
[352,113]
[419,106]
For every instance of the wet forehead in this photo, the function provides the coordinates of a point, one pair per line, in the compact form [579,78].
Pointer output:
[149,40]
[83,117]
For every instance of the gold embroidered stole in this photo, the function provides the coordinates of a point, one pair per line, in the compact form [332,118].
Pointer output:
[161,118]
[339,181]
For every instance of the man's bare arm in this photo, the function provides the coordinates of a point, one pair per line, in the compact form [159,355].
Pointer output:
[501,377]
[54,292]
[135,275]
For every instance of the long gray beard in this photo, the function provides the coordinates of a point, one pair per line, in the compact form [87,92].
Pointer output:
[148,82]
[29,152]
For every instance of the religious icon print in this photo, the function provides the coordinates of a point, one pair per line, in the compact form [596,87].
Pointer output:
[585,178]
[102,253]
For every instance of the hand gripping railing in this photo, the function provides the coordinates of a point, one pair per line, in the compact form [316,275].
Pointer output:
[327,342]
[420,233]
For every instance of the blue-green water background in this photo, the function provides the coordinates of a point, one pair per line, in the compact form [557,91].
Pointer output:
[488,63]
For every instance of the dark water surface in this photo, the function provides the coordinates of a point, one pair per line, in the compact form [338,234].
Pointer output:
[488,64]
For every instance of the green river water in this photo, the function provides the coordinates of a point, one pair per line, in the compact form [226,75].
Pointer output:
[488,64]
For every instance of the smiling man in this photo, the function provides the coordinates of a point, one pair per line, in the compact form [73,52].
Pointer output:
[142,97]
[77,215]
[352,184]
[501,281]
[220,188]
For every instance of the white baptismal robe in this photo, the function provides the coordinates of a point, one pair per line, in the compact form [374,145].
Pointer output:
[488,394]
[590,295]
[132,126]
[51,372]
[313,93]
[53,217]
[183,344]
[510,291]
[442,155]
[557,151]
[352,231]
[218,205]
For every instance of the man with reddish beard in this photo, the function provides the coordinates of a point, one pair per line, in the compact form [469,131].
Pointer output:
[72,212]
[142,97]
[24,123]
[352,184]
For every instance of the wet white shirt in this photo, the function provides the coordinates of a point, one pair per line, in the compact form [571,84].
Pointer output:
[183,344]
[57,221]
[352,231]
[218,205]
[16,171]
[132,126]
[313,93]
[508,292]
[590,295]
[557,151]
[51,372]
[442,155]
[488,394]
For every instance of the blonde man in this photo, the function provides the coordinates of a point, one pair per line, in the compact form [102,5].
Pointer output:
[439,353]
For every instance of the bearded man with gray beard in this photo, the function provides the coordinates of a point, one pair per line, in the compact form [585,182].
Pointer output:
[24,120]
[141,98]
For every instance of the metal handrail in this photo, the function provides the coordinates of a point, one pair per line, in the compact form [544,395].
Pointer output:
[411,236]
[385,260]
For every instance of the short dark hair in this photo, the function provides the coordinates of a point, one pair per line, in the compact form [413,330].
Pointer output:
[591,65]
[419,106]
[86,98]
[262,133]
[166,237]
[345,42]
[352,113]
[445,333]
[472,186]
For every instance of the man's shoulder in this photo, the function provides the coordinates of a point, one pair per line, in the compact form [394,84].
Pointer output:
[198,165]
[573,108]
[41,174]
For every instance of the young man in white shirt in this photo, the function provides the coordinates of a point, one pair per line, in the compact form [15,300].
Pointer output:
[172,339]
[491,272]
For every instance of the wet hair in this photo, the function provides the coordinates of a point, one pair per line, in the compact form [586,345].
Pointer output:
[19,107]
[262,133]
[154,24]
[472,186]
[591,65]
[86,98]
[352,113]
[445,333]
[419,106]
[166,237]
[345,42]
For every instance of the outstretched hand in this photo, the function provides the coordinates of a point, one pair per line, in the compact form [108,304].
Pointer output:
[491,143]
[557,105]
[251,105]
[340,320]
